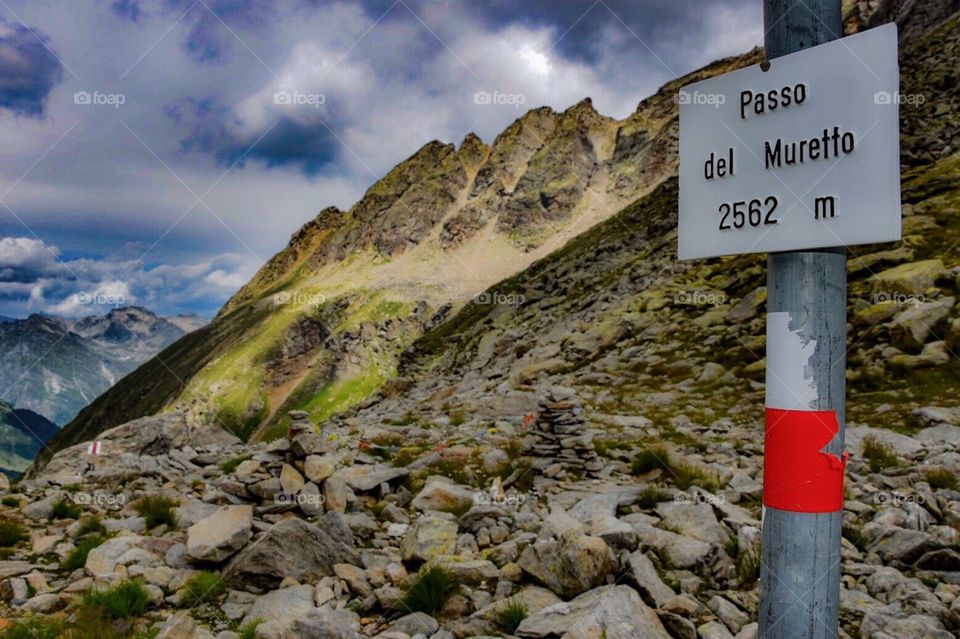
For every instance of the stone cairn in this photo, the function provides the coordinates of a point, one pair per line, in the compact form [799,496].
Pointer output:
[558,440]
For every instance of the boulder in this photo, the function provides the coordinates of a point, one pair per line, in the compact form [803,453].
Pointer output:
[913,278]
[318,468]
[679,550]
[913,326]
[291,481]
[693,520]
[570,565]
[119,551]
[442,494]
[429,537]
[180,625]
[648,581]
[221,534]
[612,612]
[291,548]
[282,605]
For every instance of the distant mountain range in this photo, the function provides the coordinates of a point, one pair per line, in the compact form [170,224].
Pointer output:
[22,433]
[54,366]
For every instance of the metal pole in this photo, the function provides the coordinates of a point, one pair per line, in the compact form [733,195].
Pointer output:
[806,291]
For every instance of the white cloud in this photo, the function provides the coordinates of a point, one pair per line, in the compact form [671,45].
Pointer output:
[87,286]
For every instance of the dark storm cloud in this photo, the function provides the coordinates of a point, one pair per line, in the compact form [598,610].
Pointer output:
[309,145]
[207,39]
[28,69]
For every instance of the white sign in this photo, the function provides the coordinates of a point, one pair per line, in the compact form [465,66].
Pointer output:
[803,155]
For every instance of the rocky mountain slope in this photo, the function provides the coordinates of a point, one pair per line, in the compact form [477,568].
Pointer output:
[322,326]
[22,434]
[56,366]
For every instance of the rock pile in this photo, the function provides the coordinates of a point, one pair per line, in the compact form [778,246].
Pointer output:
[559,440]
[300,423]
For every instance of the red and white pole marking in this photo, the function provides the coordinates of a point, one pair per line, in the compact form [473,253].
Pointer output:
[798,475]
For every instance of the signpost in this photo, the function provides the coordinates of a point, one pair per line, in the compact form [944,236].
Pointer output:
[803,155]
[798,158]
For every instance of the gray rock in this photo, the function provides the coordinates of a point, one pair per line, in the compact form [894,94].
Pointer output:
[282,605]
[363,478]
[221,534]
[418,623]
[570,565]
[681,551]
[612,612]
[44,603]
[444,495]
[693,520]
[291,548]
[729,614]
[713,630]
[645,575]
[180,625]
[429,537]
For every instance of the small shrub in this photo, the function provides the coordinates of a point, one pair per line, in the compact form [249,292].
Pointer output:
[458,418]
[157,509]
[879,455]
[202,587]
[650,497]
[430,591]
[66,509]
[10,501]
[650,459]
[126,599]
[512,615]
[77,558]
[91,526]
[11,534]
[941,478]
[33,628]
[748,566]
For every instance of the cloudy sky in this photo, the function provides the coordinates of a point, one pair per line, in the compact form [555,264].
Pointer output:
[157,152]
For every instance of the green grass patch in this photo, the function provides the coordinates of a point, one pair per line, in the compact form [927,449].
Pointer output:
[66,509]
[430,591]
[512,615]
[683,476]
[748,567]
[879,455]
[10,501]
[230,466]
[126,599]
[34,628]
[157,510]
[202,587]
[91,526]
[11,534]
[77,558]
[249,630]
[340,395]
[941,478]
[649,497]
